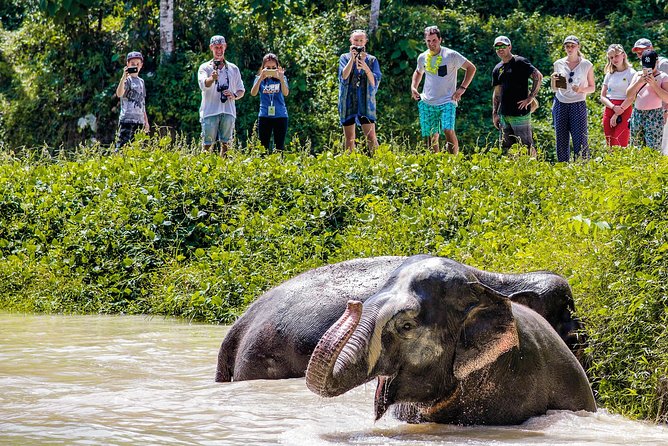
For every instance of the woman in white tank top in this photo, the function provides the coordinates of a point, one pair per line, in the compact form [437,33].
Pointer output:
[572,81]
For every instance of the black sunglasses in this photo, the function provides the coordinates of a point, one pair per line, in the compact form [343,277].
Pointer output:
[570,78]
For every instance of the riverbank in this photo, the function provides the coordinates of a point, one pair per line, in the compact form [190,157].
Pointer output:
[163,230]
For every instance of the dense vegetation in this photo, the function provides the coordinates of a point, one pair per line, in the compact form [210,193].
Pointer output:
[162,229]
[60,60]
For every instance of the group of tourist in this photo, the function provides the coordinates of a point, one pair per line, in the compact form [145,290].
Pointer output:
[636,102]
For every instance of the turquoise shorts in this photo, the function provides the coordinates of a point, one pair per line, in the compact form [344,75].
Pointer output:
[436,118]
[217,128]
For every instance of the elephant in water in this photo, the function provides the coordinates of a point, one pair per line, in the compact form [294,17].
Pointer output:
[275,337]
[447,347]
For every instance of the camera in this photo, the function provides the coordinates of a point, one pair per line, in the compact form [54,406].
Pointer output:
[217,63]
[131,70]
[221,89]
[271,73]
[357,50]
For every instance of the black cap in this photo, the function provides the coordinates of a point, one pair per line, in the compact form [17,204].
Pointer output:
[648,58]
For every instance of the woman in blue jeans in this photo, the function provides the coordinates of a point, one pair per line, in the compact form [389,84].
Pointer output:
[572,81]
[272,85]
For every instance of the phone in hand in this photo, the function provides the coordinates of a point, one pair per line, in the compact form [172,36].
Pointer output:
[619,120]
[647,71]
[271,73]
[131,70]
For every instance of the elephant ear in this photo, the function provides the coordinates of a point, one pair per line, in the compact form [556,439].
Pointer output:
[488,332]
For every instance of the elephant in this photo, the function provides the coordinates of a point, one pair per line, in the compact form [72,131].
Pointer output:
[275,337]
[447,347]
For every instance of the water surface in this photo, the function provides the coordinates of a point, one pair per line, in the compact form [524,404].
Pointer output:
[118,380]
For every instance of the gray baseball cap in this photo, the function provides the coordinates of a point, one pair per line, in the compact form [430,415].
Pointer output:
[134,55]
[572,39]
[642,44]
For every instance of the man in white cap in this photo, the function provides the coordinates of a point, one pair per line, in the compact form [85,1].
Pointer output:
[512,100]
[221,85]
[662,65]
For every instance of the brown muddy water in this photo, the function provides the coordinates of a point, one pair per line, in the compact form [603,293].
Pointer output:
[117,380]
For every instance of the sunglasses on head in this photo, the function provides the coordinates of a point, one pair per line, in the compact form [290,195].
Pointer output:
[500,47]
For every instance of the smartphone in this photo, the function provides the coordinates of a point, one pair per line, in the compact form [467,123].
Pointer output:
[619,119]
[271,73]
[131,70]
[647,71]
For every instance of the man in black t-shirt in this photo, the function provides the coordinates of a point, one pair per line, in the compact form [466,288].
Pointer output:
[512,101]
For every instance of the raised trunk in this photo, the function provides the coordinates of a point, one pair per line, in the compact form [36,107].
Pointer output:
[339,361]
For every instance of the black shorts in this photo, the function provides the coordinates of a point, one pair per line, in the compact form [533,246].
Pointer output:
[362,119]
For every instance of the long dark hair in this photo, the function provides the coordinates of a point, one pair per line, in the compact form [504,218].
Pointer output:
[265,58]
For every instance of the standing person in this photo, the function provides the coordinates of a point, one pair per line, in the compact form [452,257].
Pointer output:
[512,100]
[618,75]
[132,92]
[662,65]
[273,87]
[221,85]
[359,76]
[649,89]
[572,81]
[440,94]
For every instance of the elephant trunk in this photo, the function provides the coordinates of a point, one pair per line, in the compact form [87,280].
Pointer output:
[339,361]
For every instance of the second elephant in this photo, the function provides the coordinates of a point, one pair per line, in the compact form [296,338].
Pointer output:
[276,336]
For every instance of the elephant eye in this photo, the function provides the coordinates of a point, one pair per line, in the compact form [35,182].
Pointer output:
[406,326]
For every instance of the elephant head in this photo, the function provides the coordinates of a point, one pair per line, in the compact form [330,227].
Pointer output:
[428,328]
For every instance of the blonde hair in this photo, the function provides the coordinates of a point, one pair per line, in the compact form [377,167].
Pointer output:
[616,49]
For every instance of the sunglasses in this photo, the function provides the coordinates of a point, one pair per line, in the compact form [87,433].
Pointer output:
[570,77]
[500,47]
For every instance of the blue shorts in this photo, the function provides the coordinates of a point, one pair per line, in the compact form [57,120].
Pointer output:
[217,128]
[436,118]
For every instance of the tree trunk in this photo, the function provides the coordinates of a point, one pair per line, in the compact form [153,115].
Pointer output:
[375,12]
[166,30]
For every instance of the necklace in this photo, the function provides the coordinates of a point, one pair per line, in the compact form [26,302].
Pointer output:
[432,62]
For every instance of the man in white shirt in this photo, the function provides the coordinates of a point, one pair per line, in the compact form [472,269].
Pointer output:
[440,94]
[221,85]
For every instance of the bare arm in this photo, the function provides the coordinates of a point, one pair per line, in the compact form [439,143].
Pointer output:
[345,73]
[537,79]
[415,82]
[120,89]
[591,85]
[496,103]
[468,77]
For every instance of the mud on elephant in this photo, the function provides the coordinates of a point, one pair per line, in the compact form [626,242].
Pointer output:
[275,337]
[448,348]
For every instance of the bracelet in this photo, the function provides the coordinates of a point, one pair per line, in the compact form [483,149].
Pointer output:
[461,86]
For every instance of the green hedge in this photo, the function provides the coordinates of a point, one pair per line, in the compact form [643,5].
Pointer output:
[162,229]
